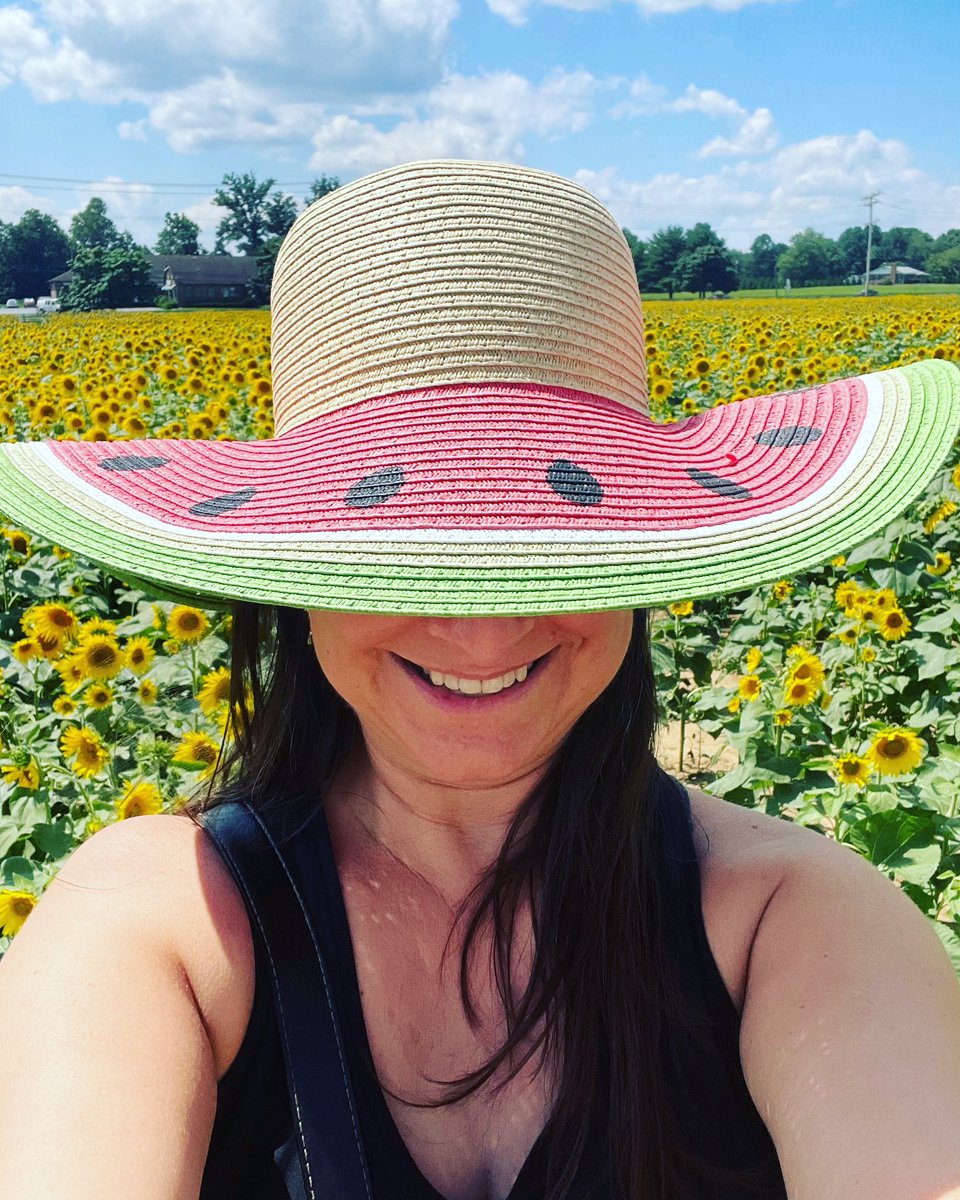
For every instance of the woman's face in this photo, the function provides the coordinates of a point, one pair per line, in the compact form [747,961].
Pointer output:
[435,734]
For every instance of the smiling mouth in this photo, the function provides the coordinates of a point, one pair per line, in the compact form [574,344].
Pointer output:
[420,673]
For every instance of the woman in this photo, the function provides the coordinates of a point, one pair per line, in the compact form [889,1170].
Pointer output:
[551,970]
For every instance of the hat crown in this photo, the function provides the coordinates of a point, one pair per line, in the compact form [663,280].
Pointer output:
[451,271]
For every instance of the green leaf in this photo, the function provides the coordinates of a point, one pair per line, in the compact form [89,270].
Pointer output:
[900,842]
[53,840]
[951,942]
[741,775]
[15,871]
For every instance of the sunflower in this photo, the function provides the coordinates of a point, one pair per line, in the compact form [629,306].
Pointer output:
[215,690]
[187,624]
[754,659]
[783,716]
[99,656]
[943,563]
[839,561]
[63,706]
[197,748]
[955,477]
[25,649]
[15,907]
[895,751]
[847,635]
[53,621]
[19,541]
[809,669]
[139,655]
[25,776]
[884,600]
[750,687]
[98,695]
[682,608]
[939,514]
[733,704]
[844,593]
[139,800]
[84,746]
[96,625]
[868,654]
[782,589]
[851,769]
[147,692]
[893,625]
[798,692]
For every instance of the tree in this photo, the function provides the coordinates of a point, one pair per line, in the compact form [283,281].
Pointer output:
[663,254]
[907,245]
[179,235]
[109,277]
[851,250]
[246,222]
[810,258]
[706,268]
[31,253]
[92,227]
[321,187]
[702,234]
[945,266]
[280,213]
[761,268]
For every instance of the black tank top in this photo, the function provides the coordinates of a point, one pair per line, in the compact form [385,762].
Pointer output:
[253,1130]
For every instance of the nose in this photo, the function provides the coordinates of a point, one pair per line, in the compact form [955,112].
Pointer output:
[483,644]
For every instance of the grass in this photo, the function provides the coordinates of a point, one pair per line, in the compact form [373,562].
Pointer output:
[812,293]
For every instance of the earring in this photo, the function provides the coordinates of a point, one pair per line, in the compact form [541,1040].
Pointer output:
[310,638]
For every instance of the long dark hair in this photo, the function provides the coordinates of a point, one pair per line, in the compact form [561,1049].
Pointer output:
[602,984]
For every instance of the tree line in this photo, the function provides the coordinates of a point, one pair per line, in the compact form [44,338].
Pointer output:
[111,270]
[698,259]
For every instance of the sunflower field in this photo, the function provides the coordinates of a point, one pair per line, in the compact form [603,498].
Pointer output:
[837,692]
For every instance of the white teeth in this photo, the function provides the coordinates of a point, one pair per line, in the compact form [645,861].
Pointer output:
[476,687]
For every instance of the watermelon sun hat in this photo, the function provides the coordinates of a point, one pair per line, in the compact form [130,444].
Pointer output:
[462,429]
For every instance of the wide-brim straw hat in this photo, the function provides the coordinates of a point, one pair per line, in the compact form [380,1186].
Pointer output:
[462,428]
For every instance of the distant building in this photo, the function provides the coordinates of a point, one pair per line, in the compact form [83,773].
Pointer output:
[191,279]
[896,273]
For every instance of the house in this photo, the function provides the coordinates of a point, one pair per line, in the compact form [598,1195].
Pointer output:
[896,273]
[192,279]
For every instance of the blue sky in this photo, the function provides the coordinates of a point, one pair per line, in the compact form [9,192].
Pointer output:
[759,116]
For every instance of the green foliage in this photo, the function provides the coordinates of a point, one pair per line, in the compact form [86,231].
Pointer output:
[92,228]
[31,253]
[109,277]
[706,268]
[179,235]
[810,258]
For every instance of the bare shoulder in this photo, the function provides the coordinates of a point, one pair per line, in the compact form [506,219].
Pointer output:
[188,894]
[744,857]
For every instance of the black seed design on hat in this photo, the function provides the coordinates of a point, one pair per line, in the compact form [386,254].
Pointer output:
[375,488]
[573,483]
[132,462]
[222,504]
[789,435]
[715,483]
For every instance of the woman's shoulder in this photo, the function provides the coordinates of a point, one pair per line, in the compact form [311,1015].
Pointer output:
[203,916]
[744,855]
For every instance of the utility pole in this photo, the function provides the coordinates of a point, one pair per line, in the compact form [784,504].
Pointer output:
[871,201]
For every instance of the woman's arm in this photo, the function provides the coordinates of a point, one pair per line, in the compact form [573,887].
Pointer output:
[850,1036]
[107,1080]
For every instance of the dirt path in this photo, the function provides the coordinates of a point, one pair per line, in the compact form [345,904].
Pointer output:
[703,755]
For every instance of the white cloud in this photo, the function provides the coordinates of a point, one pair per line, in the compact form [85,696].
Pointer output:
[15,201]
[515,11]
[133,131]
[483,117]
[707,101]
[20,39]
[818,183]
[756,135]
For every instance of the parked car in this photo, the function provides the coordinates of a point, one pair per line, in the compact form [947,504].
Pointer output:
[13,304]
[29,302]
[48,304]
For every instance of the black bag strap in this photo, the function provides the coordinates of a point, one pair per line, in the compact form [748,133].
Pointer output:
[326,1128]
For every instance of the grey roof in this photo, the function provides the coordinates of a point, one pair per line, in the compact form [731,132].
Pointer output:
[204,269]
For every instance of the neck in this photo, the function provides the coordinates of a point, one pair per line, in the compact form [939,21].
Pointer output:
[446,835]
